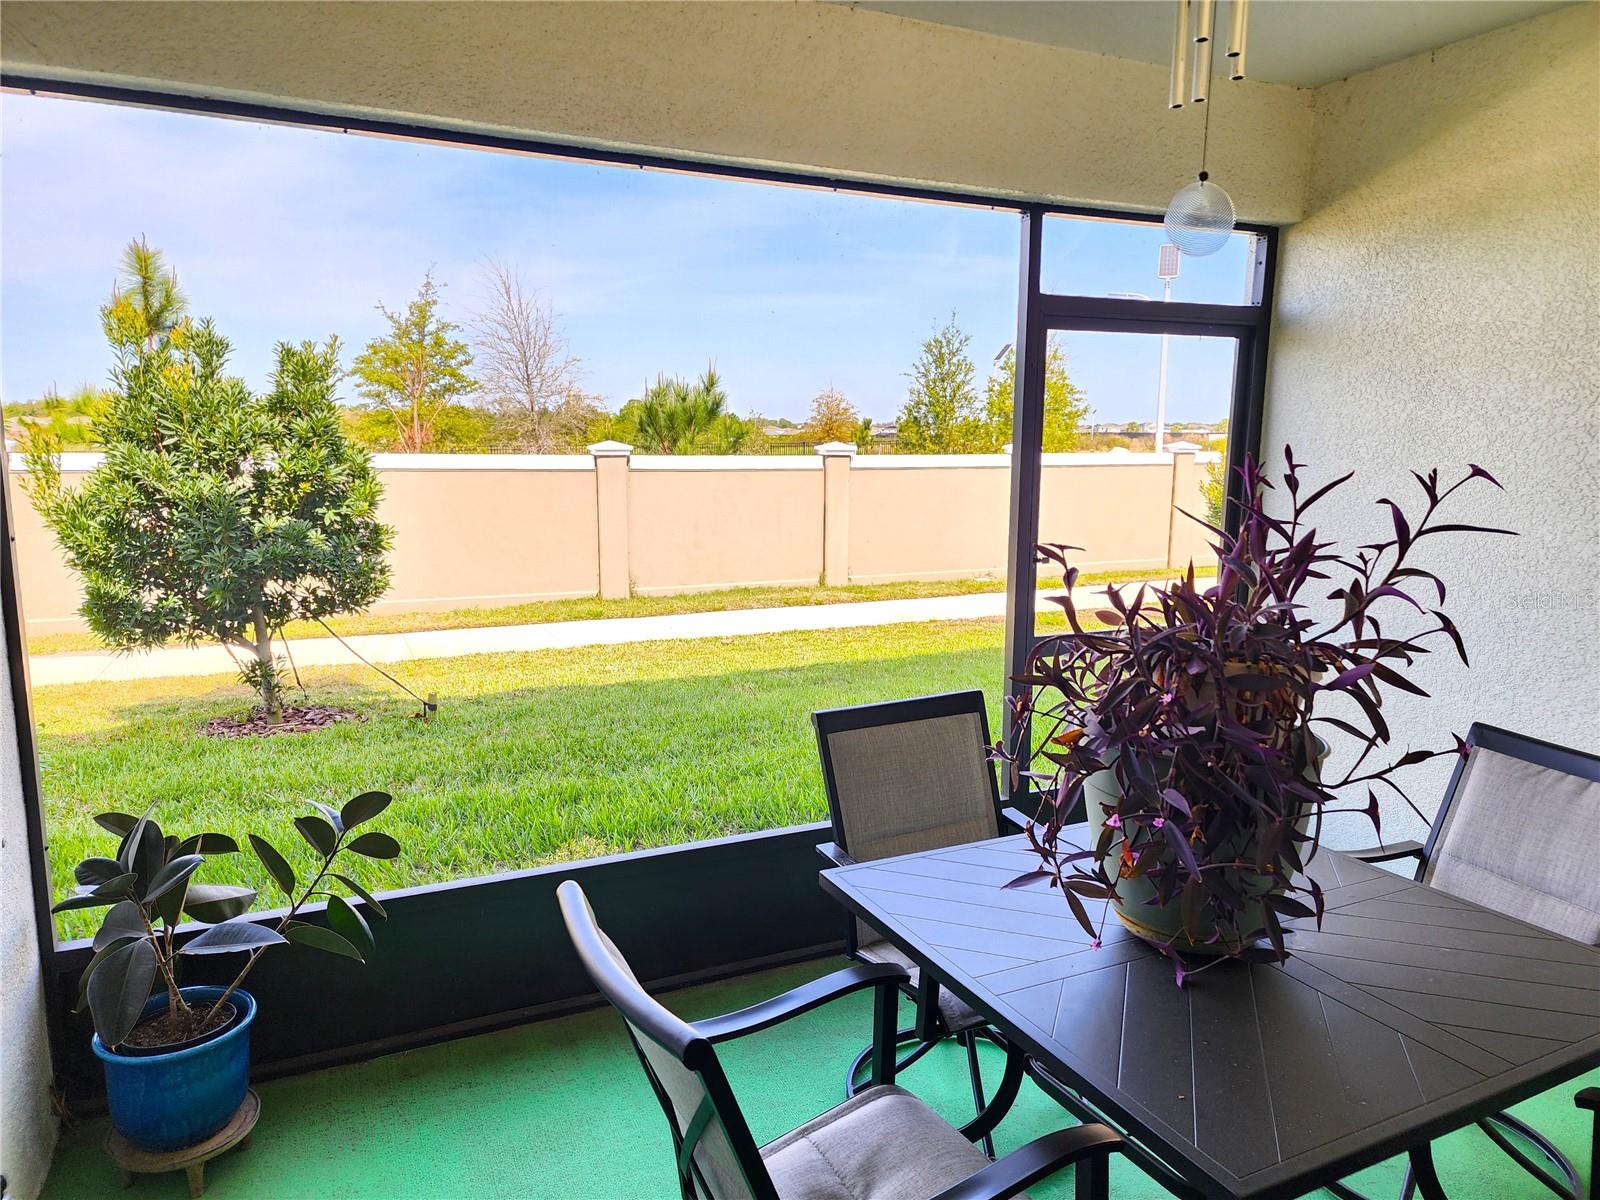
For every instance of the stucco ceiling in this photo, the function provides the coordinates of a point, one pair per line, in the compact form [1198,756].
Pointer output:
[1305,43]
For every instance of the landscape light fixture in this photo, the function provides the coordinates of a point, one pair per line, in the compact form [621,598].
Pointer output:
[1167,264]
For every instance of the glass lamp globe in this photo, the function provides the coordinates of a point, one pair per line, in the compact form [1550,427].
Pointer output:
[1200,217]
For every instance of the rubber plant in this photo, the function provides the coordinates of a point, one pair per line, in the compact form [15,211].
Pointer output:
[1203,704]
[150,886]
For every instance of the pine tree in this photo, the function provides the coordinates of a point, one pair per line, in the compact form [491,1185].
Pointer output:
[146,303]
[675,416]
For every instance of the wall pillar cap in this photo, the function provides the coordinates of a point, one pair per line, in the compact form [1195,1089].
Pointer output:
[1182,447]
[1006,449]
[611,449]
[836,450]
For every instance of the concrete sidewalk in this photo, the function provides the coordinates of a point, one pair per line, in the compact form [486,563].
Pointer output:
[107,666]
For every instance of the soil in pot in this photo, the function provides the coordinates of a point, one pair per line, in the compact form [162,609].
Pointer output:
[167,1032]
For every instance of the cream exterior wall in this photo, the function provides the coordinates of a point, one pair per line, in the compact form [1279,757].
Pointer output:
[818,87]
[50,590]
[485,530]
[928,522]
[695,529]
[1438,307]
[484,537]
[465,537]
[1119,515]
[27,1120]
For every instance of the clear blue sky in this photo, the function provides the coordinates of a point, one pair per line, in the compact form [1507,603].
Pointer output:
[282,233]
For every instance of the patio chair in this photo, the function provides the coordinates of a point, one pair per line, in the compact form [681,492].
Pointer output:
[880,1144]
[901,777]
[1589,1098]
[1518,831]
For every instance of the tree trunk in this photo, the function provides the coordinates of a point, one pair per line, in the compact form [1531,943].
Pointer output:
[270,701]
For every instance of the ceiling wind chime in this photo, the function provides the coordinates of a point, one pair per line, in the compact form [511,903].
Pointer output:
[1201,215]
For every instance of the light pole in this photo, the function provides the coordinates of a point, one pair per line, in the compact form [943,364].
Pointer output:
[1166,270]
[1161,382]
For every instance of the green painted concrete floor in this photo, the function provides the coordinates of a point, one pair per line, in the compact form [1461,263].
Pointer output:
[560,1109]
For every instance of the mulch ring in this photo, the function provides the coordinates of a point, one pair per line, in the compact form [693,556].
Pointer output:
[295,720]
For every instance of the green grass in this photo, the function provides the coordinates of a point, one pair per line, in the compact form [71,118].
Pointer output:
[534,758]
[561,1108]
[592,608]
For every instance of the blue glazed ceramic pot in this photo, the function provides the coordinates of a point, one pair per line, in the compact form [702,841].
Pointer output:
[176,1099]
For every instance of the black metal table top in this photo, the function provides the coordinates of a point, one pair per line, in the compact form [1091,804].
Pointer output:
[1410,1013]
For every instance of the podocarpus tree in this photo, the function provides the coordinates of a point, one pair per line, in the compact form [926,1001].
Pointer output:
[217,514]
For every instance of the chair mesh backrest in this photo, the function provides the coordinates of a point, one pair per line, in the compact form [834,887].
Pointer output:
[908,786]
[682,1091]
[1523,839]
[912,786]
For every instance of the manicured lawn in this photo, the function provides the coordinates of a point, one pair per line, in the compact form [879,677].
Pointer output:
[533,758]
[592,607]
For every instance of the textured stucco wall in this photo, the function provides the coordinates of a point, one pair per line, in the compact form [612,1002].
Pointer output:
[815,86]
[690,523]
[27,1121]
[1438,307]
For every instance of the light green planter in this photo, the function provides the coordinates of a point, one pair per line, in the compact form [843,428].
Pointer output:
[1162,924]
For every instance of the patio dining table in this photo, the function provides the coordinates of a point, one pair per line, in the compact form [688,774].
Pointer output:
[1408,1014]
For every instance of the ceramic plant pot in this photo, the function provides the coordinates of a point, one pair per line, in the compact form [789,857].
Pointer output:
[176,1098]
[1162,924]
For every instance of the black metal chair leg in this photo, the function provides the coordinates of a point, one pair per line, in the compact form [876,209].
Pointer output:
[991,1114]
[1589,1099]
[1422,1168]
[1091,1178]
[975,1077]
[1568,1185]
[1152,1166]
[852,1081]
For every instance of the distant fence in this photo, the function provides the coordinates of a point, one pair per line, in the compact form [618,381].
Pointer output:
[483,530]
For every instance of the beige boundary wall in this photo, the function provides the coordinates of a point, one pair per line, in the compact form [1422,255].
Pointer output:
[485,530]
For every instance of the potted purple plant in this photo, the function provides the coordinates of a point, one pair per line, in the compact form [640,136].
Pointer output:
[1188,724]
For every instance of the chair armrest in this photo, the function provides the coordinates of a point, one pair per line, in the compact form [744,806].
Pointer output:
[1388,853]
[1588,1098]
[801,1000]
[1018,818]
[1028,1164]
[834,856]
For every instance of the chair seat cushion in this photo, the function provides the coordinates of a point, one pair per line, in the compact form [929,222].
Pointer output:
[881,1144]
[953,1010]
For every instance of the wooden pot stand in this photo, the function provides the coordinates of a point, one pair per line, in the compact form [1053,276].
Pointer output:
[131,1160]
